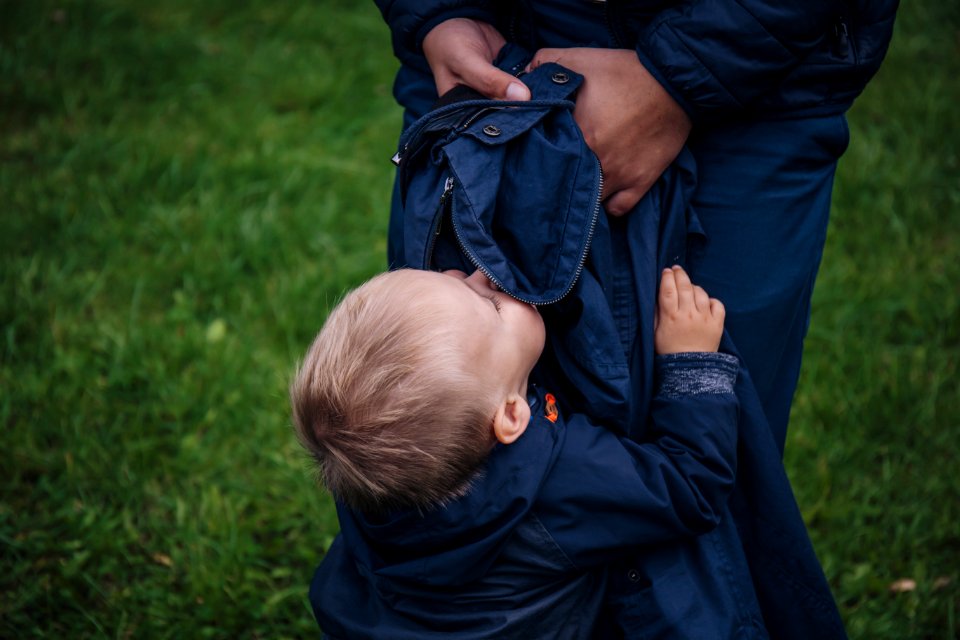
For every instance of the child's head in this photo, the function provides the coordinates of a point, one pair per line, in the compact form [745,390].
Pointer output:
[413,378]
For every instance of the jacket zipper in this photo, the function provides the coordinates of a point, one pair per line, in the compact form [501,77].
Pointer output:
[474,116]
[411,135]
[437,223]
[583,251]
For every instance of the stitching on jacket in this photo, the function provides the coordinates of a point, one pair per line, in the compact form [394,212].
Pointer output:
[766,30]
[713,75]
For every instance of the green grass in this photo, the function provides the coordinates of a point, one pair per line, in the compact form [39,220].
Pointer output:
[873,450]
[184,191]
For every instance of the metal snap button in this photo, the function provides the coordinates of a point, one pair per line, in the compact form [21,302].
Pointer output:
[633,575]
[560,77]
[491,130]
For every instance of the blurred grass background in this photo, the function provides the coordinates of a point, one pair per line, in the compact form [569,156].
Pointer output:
[185,188]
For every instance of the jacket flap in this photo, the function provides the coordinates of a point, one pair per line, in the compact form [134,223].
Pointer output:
[517,180]
[524,213]
[551,87]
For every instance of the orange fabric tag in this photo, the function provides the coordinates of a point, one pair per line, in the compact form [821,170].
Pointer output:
[551,411]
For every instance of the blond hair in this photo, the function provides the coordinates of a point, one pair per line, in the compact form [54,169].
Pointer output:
[386,403]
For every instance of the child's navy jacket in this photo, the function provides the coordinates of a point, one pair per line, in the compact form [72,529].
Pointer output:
[523,554]
[513,190]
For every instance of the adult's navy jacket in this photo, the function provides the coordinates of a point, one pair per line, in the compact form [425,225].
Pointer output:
[515,557]
[717,58]
[512,189]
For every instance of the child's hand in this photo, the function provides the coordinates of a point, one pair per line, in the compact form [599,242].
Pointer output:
[687,318]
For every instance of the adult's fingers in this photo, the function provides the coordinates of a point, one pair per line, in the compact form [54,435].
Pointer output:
[628,119]
[461,51]
[551,55]
[622,202]
[491,81]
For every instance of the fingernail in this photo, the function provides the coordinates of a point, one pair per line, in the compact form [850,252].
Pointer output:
[516,91]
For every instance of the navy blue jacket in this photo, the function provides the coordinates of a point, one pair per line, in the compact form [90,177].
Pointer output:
[513,190]
[516,557]
[717,58]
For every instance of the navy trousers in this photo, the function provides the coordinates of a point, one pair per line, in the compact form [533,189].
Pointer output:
[763,198]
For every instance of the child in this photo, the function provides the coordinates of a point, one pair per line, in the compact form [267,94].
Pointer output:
[406,399]
[513,190]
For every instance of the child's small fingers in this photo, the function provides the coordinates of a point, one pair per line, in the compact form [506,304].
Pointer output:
[717,310]
[668,290]
[701,298]
[684,287]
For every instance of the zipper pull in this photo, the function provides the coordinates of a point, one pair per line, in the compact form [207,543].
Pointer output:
[841,39]
[447,190]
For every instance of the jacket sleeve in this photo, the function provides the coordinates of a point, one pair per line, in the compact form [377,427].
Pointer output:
[607,494]
[717,56]
[411,20]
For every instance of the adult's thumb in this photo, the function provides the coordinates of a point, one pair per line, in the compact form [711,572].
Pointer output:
[494,83]
[517,91]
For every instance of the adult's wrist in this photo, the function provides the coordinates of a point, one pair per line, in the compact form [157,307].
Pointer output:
[651,66]
[478,13]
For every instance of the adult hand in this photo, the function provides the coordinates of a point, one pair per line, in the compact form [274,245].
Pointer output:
[628,119]
[461,51]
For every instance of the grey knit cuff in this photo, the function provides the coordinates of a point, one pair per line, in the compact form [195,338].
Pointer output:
[696,373]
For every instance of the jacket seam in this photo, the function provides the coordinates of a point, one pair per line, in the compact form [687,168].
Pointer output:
[766,30]
[543,527]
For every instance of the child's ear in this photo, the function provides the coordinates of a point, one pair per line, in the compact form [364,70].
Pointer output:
[511,419]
